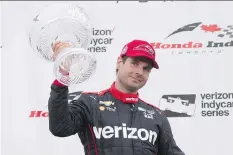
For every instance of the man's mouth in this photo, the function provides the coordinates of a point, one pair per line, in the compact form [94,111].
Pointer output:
[138,80]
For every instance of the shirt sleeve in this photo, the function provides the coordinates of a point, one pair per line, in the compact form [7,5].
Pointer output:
[67,119]
[167,144]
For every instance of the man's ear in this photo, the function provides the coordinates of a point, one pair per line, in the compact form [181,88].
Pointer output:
[119,61]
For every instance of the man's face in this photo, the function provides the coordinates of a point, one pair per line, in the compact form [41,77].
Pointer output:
[134,72]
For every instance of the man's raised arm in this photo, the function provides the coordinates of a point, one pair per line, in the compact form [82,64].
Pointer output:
[66,119]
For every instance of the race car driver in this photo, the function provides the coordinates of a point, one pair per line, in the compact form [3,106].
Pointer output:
[115,121]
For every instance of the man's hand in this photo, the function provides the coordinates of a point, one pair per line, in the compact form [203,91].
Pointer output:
[57,48]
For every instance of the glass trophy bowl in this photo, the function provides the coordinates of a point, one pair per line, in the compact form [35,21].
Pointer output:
[65,22]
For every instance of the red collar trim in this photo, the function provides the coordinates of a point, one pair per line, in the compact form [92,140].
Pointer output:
[124,97]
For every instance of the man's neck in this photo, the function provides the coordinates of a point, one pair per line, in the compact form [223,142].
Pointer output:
[120,86]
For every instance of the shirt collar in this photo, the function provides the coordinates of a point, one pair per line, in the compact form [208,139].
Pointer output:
[124,97]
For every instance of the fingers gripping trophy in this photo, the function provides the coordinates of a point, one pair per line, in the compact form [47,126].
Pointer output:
[68,27]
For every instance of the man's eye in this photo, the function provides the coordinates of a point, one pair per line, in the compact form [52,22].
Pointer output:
[147,69]
[134,63]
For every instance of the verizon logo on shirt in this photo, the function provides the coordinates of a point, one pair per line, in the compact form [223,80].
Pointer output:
[108,132]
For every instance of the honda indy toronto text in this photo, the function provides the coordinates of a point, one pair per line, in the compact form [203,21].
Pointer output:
[197,38]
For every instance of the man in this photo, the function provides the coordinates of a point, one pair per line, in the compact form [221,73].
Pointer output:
[115,121]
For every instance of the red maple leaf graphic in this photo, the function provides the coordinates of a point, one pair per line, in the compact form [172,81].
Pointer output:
[210,28]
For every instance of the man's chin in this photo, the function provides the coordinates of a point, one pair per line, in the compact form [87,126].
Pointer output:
[133,87]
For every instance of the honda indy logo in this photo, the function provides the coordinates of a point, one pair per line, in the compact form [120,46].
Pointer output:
[108,132]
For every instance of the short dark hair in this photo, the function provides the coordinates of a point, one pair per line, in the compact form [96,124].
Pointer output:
[124,58]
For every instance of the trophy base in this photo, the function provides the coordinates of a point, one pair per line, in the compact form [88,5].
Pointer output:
[74,66]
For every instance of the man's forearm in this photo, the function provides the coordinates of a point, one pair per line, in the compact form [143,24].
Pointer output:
[61,123]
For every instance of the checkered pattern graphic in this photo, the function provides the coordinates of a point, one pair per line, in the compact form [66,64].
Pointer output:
[227,32]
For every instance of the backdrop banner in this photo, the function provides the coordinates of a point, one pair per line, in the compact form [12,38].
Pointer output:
[194,85]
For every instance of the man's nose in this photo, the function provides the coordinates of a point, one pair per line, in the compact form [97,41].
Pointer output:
[139,70]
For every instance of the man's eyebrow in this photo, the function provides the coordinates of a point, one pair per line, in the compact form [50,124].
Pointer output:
[150,65]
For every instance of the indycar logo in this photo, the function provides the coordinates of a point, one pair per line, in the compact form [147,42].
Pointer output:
[178,105]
